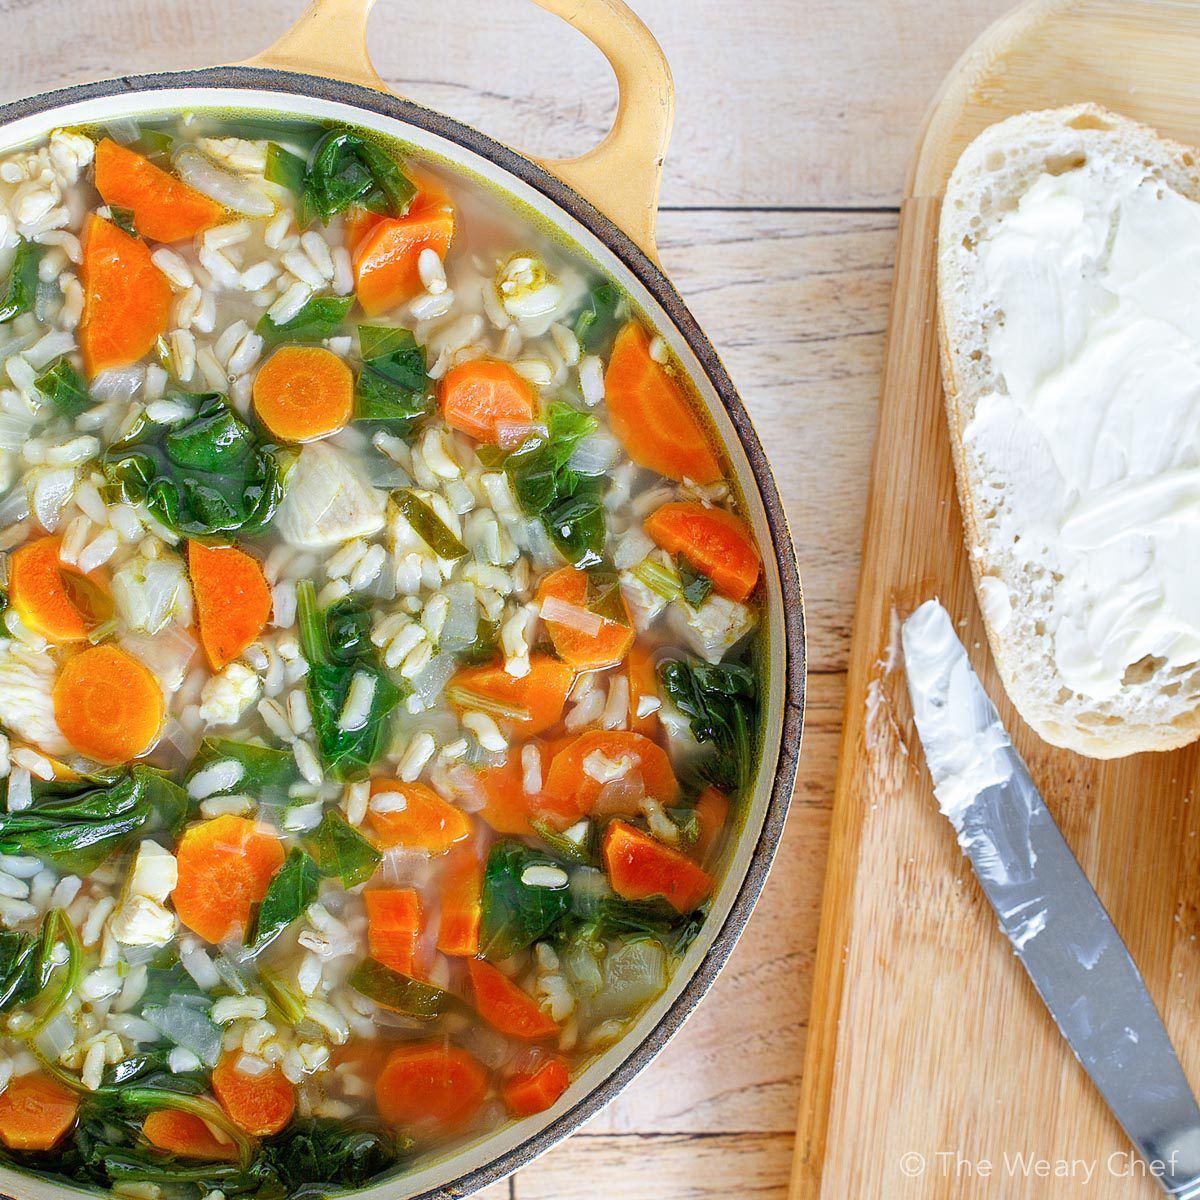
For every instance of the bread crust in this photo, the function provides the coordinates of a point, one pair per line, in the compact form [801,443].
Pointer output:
[1141,718]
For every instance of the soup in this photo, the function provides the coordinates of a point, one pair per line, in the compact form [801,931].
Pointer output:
[377,679]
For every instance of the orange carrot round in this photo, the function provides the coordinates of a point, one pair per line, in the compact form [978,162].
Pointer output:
[427,822]
[108,705]
[481,395]
[504,1006]
[428,1087]
[643,683]
[569,783]
[126,298]
[233,602]
[393,926]
[302,393]
[462,907]
[713,540]
[531,1092]
[542,692]
[165,209]
[508,807]
[639,868]
[386,250]
[35,1112]
[185,1134]
[225,866]
[53,599]
[583,649]
[651,415]
[260,1104]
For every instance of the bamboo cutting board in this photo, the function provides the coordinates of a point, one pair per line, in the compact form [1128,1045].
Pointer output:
[933,1069]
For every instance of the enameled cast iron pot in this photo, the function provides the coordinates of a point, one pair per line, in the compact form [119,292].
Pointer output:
[604,201]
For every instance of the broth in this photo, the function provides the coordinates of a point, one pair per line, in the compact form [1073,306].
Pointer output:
[378,684]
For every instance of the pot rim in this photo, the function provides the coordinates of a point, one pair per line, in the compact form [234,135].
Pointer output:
[653,278]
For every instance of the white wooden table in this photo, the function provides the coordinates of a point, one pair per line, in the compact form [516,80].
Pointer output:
[795,118]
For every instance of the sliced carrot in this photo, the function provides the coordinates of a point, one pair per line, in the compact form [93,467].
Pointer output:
[583,649]
[428,1087]
[393,926]
[126,298]
[185,1134]
[302,393]
[35,1112]
[507,807]
[712,811]
[541,693]
[530,1092]
[108,705]
[713,540]
[481,395]
[225,866]
[462,909]
[165,209]
[233,601]
[651,414]
[386,250]
[431,196]
[504,1006]
[427,822]
[260,1104]
[643,684]
[569,783]
[53,599]
[639,868]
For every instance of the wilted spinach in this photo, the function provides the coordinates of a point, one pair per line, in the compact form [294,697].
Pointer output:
[267,774]
[20,292]
[64,387]
[202,476]
[400,993]
[720,701]
[601,316]
[292,890]
[393,385]
[347,753]
[515,915]
[319,318]
[341,852]
[76,824]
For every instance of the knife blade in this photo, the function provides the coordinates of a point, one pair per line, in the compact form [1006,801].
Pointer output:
[1059,929]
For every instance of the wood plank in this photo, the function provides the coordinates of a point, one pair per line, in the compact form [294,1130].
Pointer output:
[919,996]
[780,103]
[661,1167]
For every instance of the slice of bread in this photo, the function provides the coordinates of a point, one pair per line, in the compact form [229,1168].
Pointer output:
[1157,703]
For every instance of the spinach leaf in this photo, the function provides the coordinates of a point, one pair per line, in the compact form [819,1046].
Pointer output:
[602,315]
[565,848]
[267,774]
[314,1156]
[393,386]
[21,968]
[348,627]
[286,169]
[576,524]
[64,387]
[347,170]
[695,587]
[292,890]
[400,993]
[166,978]
[76,824]
[428,526]
[720,701]
[347,753]
[515,915]
[21,291]
[320,318]
[122,218]
[208,475]
[341,852]
[184,1021]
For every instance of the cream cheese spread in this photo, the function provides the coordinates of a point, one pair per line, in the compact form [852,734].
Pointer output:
[1093,430]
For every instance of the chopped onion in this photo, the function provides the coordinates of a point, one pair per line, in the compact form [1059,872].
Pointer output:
[571,615]
[461,627]
[117,383]
[57,1037]
[189,1026]
[195,961]
[621,796]
[14,507]
[430,681]
[511,434]
[595,454]
[176,746]
[235,192]
[168,653]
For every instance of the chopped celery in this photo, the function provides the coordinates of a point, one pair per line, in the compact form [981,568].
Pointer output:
[428,526]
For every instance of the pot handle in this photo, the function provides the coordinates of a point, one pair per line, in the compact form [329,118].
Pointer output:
[620,176]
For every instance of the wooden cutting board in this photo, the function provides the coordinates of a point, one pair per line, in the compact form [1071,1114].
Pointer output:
[933,1069]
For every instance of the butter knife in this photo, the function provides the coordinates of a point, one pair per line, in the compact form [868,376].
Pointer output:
[1047,908]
